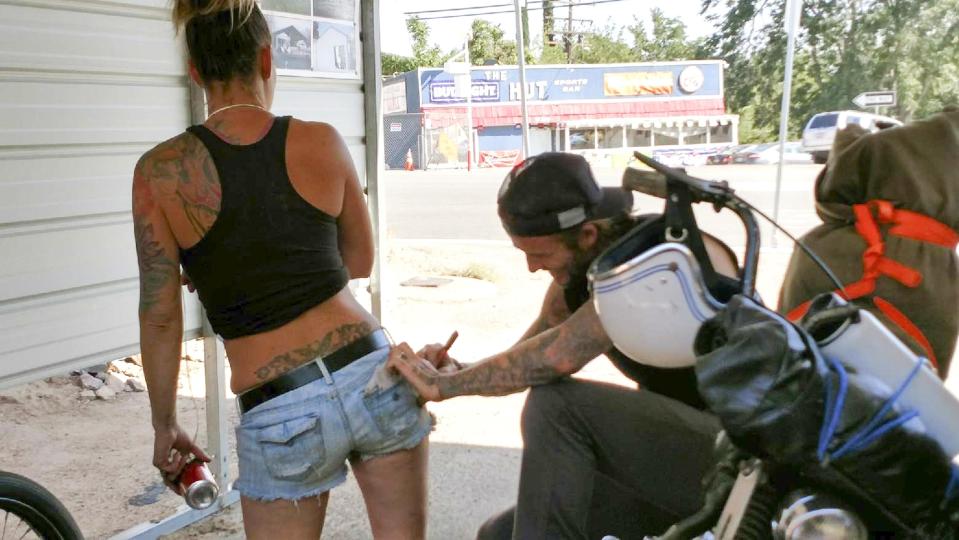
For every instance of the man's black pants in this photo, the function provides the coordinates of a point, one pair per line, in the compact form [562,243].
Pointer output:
[600,459]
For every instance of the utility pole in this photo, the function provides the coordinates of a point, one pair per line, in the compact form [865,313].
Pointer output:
[548,37]
[521,57]
[572,30]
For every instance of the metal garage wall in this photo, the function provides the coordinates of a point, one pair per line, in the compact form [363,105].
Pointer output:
[335,101]
[86,86]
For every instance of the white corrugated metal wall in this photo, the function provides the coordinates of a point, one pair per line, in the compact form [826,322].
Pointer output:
[86,86]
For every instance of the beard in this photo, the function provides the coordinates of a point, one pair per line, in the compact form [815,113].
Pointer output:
[579,266]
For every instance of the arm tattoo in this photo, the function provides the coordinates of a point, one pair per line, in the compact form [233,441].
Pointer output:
[179,170]
[156,269]
[552,314]
[332,341]
[195,182]
[560,351]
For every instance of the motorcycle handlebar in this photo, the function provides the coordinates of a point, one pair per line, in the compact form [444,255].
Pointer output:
[719,194]
[648,182]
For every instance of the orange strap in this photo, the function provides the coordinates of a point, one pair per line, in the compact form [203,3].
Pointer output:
[906,224]
[900,319]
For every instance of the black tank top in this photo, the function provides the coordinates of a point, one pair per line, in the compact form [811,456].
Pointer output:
[270,255]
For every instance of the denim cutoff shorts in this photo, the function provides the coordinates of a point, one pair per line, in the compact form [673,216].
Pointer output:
[296,445]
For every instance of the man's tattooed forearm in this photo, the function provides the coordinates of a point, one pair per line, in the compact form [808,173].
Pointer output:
[293,359]
[510,372]
[555,353]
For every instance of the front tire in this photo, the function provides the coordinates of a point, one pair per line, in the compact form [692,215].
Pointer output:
[25,506]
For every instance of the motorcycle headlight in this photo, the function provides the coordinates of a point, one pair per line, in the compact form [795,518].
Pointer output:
[813,516]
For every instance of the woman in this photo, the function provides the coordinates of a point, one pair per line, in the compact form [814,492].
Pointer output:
[267,217]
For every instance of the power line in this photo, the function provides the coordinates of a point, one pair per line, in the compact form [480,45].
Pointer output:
[539,8]
[489,6]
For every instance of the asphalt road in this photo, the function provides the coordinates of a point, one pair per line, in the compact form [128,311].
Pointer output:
[460,205]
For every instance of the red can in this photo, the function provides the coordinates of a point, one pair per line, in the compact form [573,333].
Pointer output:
[198,486]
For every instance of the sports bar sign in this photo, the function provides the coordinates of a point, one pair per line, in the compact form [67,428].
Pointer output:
[492,84]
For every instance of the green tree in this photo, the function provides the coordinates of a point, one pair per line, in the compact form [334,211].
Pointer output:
[844,47]
[488,44]
[549,54]
[604,46]
[667,41]
[424,53]
[394,63]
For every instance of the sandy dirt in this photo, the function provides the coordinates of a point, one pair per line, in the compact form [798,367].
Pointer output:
[95,455]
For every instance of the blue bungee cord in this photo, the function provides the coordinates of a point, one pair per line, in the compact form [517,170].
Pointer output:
[952,490]
[835,400]
[873,429]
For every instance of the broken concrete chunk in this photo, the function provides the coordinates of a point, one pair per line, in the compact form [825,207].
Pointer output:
[89,382]
[106,393]
[116,382]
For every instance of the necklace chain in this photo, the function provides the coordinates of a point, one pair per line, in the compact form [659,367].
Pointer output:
[221,109]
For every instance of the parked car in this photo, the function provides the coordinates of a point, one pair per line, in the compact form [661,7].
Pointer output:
[821,129]
[741,155]
[725,155]
[792,153]
[695,158]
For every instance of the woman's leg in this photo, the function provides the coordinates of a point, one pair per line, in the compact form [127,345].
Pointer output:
[394,489]
[293,520]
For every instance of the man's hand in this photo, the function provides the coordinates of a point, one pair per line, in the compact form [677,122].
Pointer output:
[418,371]
[438,355]
[173,449]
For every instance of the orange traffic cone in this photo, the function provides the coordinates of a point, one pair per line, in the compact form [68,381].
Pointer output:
[409,160]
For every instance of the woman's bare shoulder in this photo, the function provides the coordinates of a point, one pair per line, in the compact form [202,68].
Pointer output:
[320,144]
[170,154]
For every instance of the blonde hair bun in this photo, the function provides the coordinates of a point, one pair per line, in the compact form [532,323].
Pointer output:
[184,10]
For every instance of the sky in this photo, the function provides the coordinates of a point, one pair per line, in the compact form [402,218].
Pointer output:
[450,33]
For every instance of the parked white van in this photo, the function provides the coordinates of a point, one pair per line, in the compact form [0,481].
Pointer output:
[821,129]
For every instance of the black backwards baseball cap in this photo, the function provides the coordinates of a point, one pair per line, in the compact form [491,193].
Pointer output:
[555,191]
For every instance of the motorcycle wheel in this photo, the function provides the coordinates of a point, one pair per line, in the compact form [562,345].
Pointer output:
[27,510]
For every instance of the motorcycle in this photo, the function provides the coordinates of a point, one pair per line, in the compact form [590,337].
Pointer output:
[832,427]
[28,510]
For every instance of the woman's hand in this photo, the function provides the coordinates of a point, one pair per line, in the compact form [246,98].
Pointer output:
[422,375]
[173,449]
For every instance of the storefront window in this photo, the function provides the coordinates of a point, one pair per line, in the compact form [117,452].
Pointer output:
[639,137]
[666,136]
[694,135]
[721,134]
[610,137]
[582,139]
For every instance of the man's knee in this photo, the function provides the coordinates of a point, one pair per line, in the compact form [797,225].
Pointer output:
[498,527]
[547,405]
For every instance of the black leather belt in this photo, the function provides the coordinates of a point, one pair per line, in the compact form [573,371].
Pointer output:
[309,372]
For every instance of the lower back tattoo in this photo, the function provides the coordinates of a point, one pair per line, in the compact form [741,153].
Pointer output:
[332,341]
